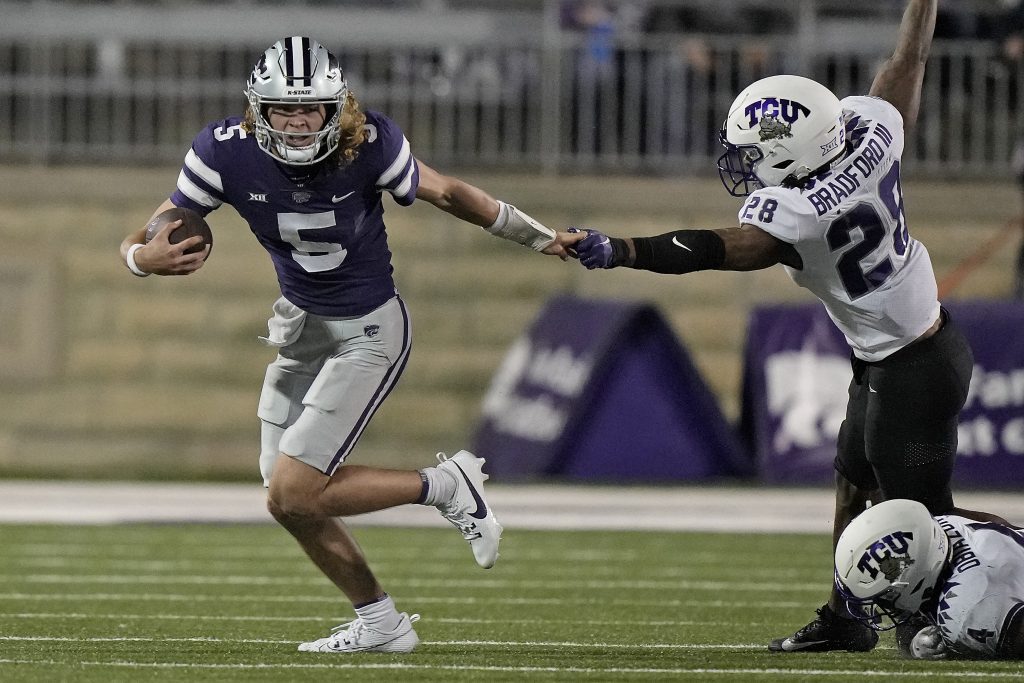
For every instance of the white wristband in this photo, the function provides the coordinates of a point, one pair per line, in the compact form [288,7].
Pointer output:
[512,224]
[130,260]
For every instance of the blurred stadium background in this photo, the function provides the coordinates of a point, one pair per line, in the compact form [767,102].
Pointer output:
[582,113]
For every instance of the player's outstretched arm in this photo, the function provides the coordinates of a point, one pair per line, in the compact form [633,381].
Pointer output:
[685,251]
[476,206]
[901,76]
[160,257]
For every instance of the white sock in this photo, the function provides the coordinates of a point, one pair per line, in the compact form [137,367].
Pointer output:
[380,614]
[438,486]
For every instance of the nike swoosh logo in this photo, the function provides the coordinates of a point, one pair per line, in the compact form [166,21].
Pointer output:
[481,508]
[789,646]
[337,199]
[675,241]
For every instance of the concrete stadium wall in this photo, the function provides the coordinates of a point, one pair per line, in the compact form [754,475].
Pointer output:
[106,375]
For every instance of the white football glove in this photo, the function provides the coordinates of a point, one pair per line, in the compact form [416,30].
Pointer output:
[928,644]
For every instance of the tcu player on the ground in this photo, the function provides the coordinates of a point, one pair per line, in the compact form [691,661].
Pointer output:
[956,583]
[822,177]
[306,169]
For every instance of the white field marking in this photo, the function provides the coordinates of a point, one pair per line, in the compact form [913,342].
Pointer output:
[464,584]
[340,619]
[133,549]
[436,643]
[187,597]
[178,617]
[161,565]
[244,553]
[382,568]
[241,552]
[402,666]
[142,639]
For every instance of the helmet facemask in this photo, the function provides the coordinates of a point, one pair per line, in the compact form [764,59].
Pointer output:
[277,142]
[736,167]
[297,71]
[881,612]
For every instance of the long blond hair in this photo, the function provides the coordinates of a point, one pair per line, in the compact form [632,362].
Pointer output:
[353,131]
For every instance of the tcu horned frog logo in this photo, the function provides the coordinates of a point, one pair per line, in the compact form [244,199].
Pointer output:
[772,128]
[887,555]
[776,116]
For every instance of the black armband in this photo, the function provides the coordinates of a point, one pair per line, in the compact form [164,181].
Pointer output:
[682,251]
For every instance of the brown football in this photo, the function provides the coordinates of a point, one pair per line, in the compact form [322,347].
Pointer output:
[192,224]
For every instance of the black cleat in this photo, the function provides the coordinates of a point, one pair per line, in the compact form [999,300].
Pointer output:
[827,632]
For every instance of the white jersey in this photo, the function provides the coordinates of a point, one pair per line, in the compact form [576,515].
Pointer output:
[848,226]
[985,590]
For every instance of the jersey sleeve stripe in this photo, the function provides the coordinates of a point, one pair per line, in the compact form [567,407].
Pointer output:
[196,165]
[406,185]
[195,193]
[397,166]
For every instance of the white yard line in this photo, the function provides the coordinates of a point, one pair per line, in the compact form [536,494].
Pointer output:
[692,508]
[403,666]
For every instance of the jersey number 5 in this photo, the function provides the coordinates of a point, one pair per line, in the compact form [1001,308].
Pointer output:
[314,257]
[857,280]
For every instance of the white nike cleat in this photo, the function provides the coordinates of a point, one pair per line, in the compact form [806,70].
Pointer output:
[356,636]
[467,509]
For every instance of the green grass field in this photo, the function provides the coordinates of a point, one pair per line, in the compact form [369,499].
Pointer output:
[230,603]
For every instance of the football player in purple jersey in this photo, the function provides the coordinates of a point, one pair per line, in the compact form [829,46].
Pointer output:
[306,168]
[824,199]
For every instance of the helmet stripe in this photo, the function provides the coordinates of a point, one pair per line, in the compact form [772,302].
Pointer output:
[298,69]
[306,70]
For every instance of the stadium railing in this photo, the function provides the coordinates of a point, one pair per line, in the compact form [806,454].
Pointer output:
[472,85]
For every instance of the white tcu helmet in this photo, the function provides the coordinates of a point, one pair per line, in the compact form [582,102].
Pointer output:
[780,129]
[297,70]
[888,561]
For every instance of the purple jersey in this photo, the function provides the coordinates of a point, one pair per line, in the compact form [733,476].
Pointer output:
[324,230]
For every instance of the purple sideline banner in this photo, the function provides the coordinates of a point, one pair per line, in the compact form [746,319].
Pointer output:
[601,390]
[796,373]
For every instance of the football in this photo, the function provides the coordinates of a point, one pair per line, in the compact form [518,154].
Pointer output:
[192,224]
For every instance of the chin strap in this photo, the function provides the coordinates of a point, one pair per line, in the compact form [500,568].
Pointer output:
[514,225]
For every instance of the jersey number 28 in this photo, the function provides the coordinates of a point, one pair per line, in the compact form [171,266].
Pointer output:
[857,279]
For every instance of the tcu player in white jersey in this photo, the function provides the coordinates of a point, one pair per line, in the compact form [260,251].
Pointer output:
[822,181]
[306,168]
[957,583]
